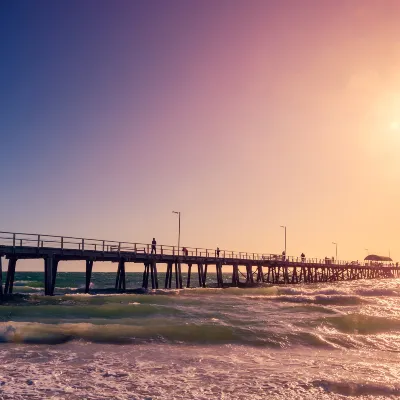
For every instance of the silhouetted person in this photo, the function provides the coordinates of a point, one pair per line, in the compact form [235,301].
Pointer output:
[303,257]
[218,251]
[283,255]
[153,246]
[185,251]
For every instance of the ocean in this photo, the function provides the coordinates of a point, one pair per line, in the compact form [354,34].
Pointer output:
[317,341]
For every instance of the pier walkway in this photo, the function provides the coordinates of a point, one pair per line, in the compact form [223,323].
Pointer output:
[258,267]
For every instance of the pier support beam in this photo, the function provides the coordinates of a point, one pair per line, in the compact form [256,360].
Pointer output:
[178,275]
[200,273]
[260,274]
[249,275]
[205,275]
[120,281]
[168,276]
[154,275]
[10,275]
[1,277]
[145,282]
[269,273]
[188,277]
[54,276]
[235,275]
[48,275]
[295,279]
[220,280]
[89,268]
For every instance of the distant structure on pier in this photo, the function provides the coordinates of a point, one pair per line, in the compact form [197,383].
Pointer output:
[374,257]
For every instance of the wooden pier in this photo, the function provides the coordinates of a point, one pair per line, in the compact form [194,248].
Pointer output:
[259,268]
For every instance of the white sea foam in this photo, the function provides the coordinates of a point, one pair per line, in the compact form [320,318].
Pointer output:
[76,371]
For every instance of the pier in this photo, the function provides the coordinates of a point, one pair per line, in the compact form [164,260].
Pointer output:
[245,269]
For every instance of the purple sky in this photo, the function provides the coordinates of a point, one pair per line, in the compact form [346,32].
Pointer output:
[243,115]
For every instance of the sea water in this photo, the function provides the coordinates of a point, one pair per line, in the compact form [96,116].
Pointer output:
[316,341]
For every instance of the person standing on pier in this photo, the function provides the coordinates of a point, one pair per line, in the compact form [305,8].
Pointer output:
[153,246]
[283,255]
[217,251]
[303,257]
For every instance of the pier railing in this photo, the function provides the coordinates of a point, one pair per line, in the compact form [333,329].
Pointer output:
[14,239]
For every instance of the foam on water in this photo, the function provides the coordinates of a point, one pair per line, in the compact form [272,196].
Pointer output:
[160,371]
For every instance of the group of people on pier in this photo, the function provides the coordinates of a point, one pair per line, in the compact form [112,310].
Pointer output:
[185,252]
[302,256]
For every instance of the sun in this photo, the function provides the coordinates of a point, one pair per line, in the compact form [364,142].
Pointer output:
[395,126]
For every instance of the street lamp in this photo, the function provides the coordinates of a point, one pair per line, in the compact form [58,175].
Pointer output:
[336,249]
[179,229]
[284,227]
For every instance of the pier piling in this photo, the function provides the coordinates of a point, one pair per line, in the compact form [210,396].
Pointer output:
[235,275]
[154,275]
[145,283]
[10,275]
[200,273]
[188,277]
[1,277]
[89,268]
[54,275]
[205,275]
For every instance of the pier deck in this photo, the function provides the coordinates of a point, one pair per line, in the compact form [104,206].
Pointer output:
[259,268]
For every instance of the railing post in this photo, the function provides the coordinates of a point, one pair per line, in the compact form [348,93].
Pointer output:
[173,250]
[134,246]
[20,242]
[162,252]
[119,247]
[38,241]
[83,244]
[13,239]
[62,243]
[196,252]
[103,245]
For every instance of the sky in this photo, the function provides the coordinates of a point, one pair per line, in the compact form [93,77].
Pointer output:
[243,115]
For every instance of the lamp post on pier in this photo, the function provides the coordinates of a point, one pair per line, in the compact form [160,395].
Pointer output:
[179,228]
[284,227]
[336,249]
